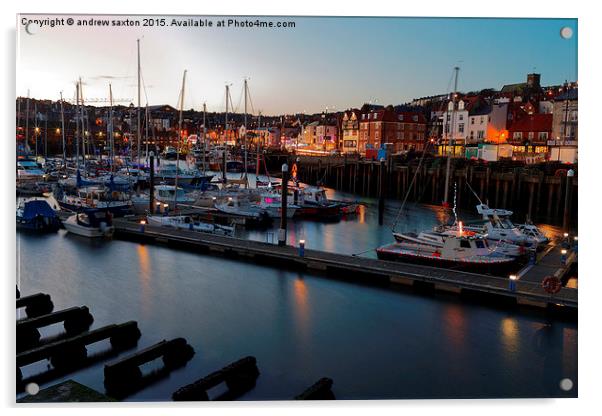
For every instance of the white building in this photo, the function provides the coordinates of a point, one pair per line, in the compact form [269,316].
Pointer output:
[487,122]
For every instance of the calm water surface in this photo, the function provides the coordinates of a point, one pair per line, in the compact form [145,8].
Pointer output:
[374,343]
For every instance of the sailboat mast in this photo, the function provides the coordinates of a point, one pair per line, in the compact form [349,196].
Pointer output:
[204,136]
[449,153]
[138,132]
[27,123]
[77,125]
[257,148]
[245,134]
[110,127]
[46,136]
[81,109]
[226,125]
[175,197]
[146,130]
[35,128]
[63,132]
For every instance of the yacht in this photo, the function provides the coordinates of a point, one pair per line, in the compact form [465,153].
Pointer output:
[29,170]
[90,224]
[185,222]
[37,215]
[467,252]
[94,198]
[164,194]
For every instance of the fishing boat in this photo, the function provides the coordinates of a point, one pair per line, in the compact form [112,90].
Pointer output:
[164,194]
[529,231]
[168,173]
[313,203]
[37,215]
[439,234]
[33,188]
[498,227]
[30,170]
[185,222]
[170,153]
[469,253]
[271,202]
[94,198]
[90,224]
[241,206]
[532,231]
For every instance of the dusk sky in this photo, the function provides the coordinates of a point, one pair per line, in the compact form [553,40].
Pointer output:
[322,62]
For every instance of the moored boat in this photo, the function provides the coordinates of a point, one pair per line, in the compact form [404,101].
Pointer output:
[469,253]
[37,215]
[185,222]
[90,224]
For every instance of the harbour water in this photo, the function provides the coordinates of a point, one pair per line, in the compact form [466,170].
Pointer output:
[374,343]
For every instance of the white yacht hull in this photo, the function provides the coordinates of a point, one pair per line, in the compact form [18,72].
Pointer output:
[73,227]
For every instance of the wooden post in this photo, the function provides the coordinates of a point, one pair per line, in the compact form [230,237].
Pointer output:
[567,200]
[151,194]
[224,170]
[381,191]
[284,197]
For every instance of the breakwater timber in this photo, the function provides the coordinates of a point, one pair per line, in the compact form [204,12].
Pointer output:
[543,193]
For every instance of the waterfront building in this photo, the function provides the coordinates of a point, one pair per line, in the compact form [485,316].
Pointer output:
[565,115]
[351,131]
[411,132]
[487,122]
[455,124]
[529,135]
[377,127]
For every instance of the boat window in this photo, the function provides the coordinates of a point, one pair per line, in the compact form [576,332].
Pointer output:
[479,244]
[464,243]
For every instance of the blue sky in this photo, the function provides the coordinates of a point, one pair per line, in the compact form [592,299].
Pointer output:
[323,62]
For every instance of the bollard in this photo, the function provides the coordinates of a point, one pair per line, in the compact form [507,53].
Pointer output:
[512,283]
[301,248]
[142,224]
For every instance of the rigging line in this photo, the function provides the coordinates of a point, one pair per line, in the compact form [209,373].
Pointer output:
[144,87]
[232,110]
[239,100]
[405,198]
[474,193]
[250,99]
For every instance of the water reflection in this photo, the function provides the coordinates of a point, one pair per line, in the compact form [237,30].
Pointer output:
[144,276]
[510,335]
[302,318]
[455,325]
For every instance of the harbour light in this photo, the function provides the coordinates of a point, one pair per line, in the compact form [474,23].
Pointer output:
[513,277]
